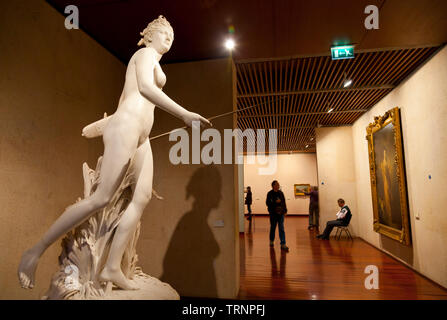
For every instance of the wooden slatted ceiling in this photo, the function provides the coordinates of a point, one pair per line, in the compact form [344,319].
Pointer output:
[294,95]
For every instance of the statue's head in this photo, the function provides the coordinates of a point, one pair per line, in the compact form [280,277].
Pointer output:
[158,35]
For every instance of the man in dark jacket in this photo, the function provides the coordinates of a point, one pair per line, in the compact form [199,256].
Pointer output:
[248,202]
[343,218]
[276,204]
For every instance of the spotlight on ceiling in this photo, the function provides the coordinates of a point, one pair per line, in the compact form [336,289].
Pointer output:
[307,146]
[229,44]
[311,139]
[347,83]
[330,110]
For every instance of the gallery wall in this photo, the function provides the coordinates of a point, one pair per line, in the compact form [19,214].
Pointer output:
[336,175]
[295,168]
[190,239]
[53,82]
[422,99]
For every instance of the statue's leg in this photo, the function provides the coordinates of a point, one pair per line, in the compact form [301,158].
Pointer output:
[143,166]
[117,153]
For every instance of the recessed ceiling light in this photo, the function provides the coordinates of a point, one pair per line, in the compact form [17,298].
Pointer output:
[330,110]
[229,44]
[307,146]
[347,83]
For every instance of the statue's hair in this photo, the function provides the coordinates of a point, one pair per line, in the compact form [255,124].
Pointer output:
[156,24]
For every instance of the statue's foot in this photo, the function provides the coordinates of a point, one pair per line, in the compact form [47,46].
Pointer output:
[118,278]
[27,269]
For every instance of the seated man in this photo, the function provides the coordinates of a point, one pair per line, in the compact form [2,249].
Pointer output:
[343,218]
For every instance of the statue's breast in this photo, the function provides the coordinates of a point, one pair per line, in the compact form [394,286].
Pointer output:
[159,77]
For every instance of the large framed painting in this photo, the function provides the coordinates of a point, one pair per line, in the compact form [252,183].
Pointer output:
[388,182]
[300,189]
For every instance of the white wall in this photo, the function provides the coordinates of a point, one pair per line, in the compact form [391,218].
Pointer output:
[336,175]
[296,168]
[422,99]
[423,102]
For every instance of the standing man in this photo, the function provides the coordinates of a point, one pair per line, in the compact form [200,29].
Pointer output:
[314,211]
[343,219]
[248,202]
[276,204]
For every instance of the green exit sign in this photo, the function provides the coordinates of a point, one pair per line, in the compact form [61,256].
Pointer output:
[342,52]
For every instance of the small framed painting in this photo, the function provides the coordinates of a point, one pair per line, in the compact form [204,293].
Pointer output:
[301,189]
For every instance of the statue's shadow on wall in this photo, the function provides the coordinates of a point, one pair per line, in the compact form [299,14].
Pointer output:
[188,263]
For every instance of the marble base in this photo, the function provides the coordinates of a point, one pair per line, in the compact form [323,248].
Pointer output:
[150,288]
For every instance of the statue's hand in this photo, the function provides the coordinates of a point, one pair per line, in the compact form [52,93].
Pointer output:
[191,117]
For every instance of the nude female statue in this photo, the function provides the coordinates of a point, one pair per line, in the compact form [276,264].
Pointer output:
[126,138]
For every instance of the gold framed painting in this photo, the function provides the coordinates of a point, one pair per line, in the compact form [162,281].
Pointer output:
[300,189]
[388,181]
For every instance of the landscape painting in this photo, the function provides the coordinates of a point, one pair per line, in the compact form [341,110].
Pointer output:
[301,189]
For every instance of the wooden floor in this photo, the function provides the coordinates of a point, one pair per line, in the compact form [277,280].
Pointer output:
[318,269]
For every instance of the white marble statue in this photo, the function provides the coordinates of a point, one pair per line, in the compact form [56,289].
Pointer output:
[125,135]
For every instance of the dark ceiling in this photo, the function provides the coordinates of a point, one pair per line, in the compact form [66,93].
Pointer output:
[263,28]
[282,54]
